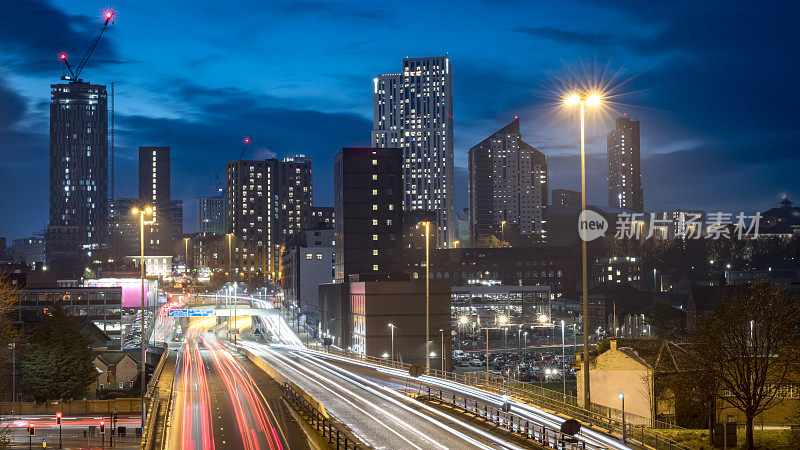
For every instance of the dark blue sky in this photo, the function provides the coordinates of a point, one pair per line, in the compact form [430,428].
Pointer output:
[712,82]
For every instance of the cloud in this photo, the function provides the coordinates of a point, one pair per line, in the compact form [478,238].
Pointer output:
[33,32]
[336,10]
[570,37]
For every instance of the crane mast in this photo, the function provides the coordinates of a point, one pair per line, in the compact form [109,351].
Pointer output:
[74,74]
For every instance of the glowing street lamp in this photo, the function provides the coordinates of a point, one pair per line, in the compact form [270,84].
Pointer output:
[141,212]
[392,326]
[583,99]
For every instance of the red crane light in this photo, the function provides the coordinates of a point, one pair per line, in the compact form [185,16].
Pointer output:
[108,14]
[63,56]
[247,140]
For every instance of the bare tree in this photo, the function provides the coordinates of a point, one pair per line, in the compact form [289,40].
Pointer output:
[750,348]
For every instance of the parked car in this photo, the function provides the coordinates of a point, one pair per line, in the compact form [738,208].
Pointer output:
[475,362]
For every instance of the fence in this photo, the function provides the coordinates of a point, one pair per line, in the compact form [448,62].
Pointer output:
[74,407]
[554,401]
[507,420]
[334,432]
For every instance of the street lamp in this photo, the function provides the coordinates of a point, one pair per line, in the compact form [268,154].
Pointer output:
[392,326]
[427,296]
[563,363]
[502,320]
[230,266]
[583,99]
[186,257]
[143,387]
[441,330]
[622,397]
[463,320]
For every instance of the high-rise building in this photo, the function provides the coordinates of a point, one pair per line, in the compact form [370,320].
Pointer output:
[624,166]
[565,197]
[123,228]
[176,219]
[265,201]
[211,215]
[321,217]
[295,194]
[368,196]
[413,111]
[154,190]
[507,188]
[78,173]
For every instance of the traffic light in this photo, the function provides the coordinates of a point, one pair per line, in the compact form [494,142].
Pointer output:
[58,418]
[31,429]
[102,426]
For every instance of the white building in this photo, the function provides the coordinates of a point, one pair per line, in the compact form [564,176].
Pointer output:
[306,266]
[413,110]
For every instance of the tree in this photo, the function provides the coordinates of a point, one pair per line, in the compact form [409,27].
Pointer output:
[58,359]
[10,337]
[749,349]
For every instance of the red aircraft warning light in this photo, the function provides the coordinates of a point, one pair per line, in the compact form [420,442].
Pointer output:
[247,140]
[63,56]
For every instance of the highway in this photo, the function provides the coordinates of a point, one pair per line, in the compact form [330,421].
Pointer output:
[378,416]
[216,402]
[369,399]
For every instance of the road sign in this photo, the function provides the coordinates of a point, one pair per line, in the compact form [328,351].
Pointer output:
[191,312]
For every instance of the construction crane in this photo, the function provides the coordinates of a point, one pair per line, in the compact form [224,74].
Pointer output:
[76,73]
[245,145]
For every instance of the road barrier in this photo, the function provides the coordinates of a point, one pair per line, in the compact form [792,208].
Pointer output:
[507,420]
[335,433]
[550,400]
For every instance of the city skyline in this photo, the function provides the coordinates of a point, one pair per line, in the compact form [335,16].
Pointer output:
[687,120]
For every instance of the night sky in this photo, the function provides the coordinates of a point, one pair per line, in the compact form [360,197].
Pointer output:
[712,82]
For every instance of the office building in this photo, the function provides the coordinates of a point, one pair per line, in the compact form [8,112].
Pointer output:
[321,217]
[507,188]
[484,303]
[154,190]
[684,224]
[101,305]
[565,197]
[29,250]
[211,215]
[413,111]
[295,194]
[78,174]
[307,262]
[624,166]
[176,220]
[368,200]
[123,228]
[266,201]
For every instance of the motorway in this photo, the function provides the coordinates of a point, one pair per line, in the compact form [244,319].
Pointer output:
[370,401]
[217,403]
[379,416]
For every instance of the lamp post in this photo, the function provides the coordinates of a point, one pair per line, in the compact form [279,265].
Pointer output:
[502,320]
[563,363]
[186,252]
[392,326]
[143,384]
[230,263]
[582,99]
[441,330]
[235,325]
[622,397]
[463,320]
[427,296]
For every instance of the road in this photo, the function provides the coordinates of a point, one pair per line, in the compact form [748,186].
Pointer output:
[83,431]
[379,416]
[217,403]
[369,399]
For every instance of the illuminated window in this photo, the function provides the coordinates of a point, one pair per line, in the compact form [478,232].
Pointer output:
[374,222]
[308,256]
[374,267]
[374,237]
[375,252]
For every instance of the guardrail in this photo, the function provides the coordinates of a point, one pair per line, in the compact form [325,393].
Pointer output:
[545,436]
[335,434]
[536,395]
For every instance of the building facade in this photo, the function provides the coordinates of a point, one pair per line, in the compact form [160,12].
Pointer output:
[265,202]
[624,166]
[78,173]
[211,215]
[154,190]
[565,197]
[123,228]
[507,187]
[321,217]
[307,264]
[413,111]
[368,200]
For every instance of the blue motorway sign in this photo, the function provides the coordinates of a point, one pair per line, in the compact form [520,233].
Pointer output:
[191,312]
